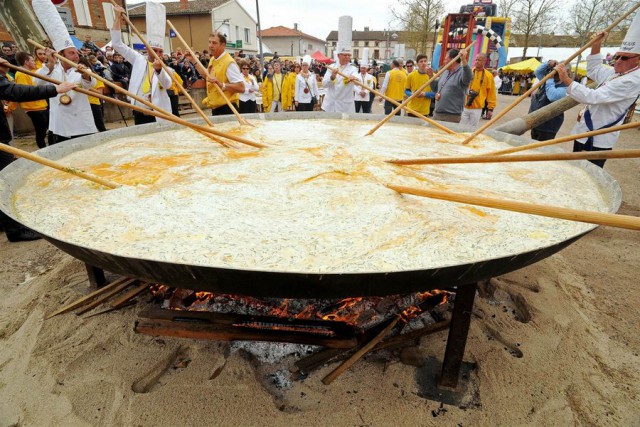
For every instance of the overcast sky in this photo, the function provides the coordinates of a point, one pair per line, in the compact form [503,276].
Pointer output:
[318,18]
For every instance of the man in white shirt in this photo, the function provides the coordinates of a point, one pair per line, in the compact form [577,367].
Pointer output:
[148,79]
[339,97]
[617,91]
[361,94]
[70,113]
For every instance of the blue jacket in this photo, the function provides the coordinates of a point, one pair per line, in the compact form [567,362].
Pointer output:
[550,92]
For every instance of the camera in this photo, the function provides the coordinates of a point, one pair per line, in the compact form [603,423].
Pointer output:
[472,96]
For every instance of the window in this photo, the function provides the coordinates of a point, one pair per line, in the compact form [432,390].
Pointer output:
[237,34]
[376,54]
[356,53]
[247,36]
[309,47]
[108,14]
[82,12]
[377,44]
[366,44]
[335,44]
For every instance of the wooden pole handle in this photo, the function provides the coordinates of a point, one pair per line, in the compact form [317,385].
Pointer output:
[394,102]
[545,78]
[202,69]
[538,157]
[600,218]
[563,139]
[420,89]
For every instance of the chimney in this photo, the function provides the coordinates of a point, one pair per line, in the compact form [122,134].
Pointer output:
[295,26]
[184,4]
[366,28]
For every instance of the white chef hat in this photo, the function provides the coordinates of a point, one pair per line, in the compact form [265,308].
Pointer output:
[156,23]
[306,60]
[52,23]
[345,25]
[364,62]
[631,42]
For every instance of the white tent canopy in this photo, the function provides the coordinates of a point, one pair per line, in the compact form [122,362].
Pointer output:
[557,53]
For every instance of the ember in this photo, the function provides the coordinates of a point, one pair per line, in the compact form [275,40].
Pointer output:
[362,313]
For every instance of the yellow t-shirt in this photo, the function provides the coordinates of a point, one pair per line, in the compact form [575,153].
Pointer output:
[25,79]
[278,81]
[92,99]
[413,83]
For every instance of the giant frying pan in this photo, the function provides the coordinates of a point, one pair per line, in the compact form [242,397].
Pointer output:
[288,284]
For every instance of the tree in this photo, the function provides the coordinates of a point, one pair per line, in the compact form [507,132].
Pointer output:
[590,16]
[506,7]
[418,18]
[533,17]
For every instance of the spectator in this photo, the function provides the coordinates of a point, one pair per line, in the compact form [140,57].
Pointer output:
[88,44]
[36,110]
[553,90]
[119,71]
[452,88]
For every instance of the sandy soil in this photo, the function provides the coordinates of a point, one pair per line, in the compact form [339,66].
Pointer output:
[552,344]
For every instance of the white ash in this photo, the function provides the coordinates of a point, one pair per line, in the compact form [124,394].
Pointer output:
[273,352]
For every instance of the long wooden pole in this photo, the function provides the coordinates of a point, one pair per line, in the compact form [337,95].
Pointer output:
[539,157]
[420,89]
[600,218]
[547,77]
[145,111]
[164,114]
[563,139]
[394,102]
[53,164]
[165,67]
[201,68]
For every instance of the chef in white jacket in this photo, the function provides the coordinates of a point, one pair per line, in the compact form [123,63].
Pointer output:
[148,79]
[339,97]
[617,91]
[70,113]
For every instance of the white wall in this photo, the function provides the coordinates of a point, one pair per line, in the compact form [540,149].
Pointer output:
[238,19]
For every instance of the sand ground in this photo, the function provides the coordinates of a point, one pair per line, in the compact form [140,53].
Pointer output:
[555,343]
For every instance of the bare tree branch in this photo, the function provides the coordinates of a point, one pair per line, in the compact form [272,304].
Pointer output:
[418,18]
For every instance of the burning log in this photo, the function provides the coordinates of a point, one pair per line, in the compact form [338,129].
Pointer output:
[230,327]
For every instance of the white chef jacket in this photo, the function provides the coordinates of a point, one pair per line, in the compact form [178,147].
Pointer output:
[73,119]
[609,101]
[301,85]
[339,96]
[160,82]
[367,80]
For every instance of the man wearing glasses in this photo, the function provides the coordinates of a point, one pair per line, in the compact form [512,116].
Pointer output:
[617,91]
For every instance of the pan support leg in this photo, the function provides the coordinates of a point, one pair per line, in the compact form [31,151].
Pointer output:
[96,276]
[458,332]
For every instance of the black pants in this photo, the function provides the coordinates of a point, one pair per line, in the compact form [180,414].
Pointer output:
[98,117]
[223,110]
[305,106]
[142,119]
[539,135]
[10,227]
[372,97]
[248,107]
[388,108]
[175,105]
[40,120]
[59,138]
[364,106]
[578,146]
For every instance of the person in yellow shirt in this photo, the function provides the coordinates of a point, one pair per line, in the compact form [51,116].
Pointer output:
[393,86]
[273,87]
[289,87]
[421,103]
[482,88]
[174,94]
[36,110]
[40,57]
